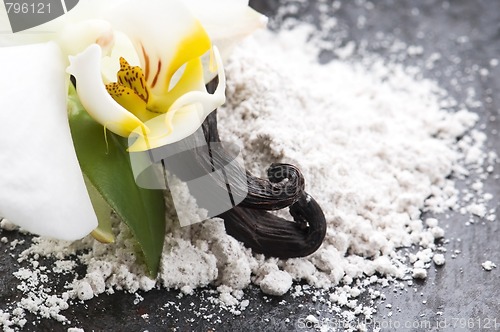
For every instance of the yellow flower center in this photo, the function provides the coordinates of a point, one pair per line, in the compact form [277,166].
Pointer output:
[131,91]
[150,92]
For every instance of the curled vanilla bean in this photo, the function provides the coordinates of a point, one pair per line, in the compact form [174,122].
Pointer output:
[249,222]
[284,186]
[273,236]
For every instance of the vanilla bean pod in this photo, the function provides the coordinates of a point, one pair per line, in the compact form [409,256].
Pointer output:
[250,223]
[273,236]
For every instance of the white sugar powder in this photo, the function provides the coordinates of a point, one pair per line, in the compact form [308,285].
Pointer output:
[376,147]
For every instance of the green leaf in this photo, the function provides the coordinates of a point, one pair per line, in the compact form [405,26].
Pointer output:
[106,164]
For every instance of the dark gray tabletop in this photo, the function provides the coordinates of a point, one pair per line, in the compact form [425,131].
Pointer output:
[459,296]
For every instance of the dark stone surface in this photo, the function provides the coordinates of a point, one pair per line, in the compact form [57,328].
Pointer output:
[467,296]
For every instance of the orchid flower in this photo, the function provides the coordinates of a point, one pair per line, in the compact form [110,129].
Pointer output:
[162,99]
[140,70]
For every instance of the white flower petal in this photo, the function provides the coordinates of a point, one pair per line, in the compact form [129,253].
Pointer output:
[165,34]
[41,184]
[187,121]
[76,37]
[226,21]
[86,68]
[110,64]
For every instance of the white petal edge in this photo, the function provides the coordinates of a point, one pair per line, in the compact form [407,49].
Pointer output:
[86,68]
[41,184]
[217,15]
[184,116]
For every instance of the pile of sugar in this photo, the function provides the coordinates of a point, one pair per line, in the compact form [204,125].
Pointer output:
[377,147]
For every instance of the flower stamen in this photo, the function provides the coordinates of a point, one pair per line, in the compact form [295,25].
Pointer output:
[133,78]
[131,91]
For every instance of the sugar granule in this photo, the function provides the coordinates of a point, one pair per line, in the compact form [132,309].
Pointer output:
[376,147]
[439,259]
[488,265]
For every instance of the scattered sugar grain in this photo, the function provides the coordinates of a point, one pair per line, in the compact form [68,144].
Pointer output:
[276,283]
[488,265]
[439,259]
[419,273]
